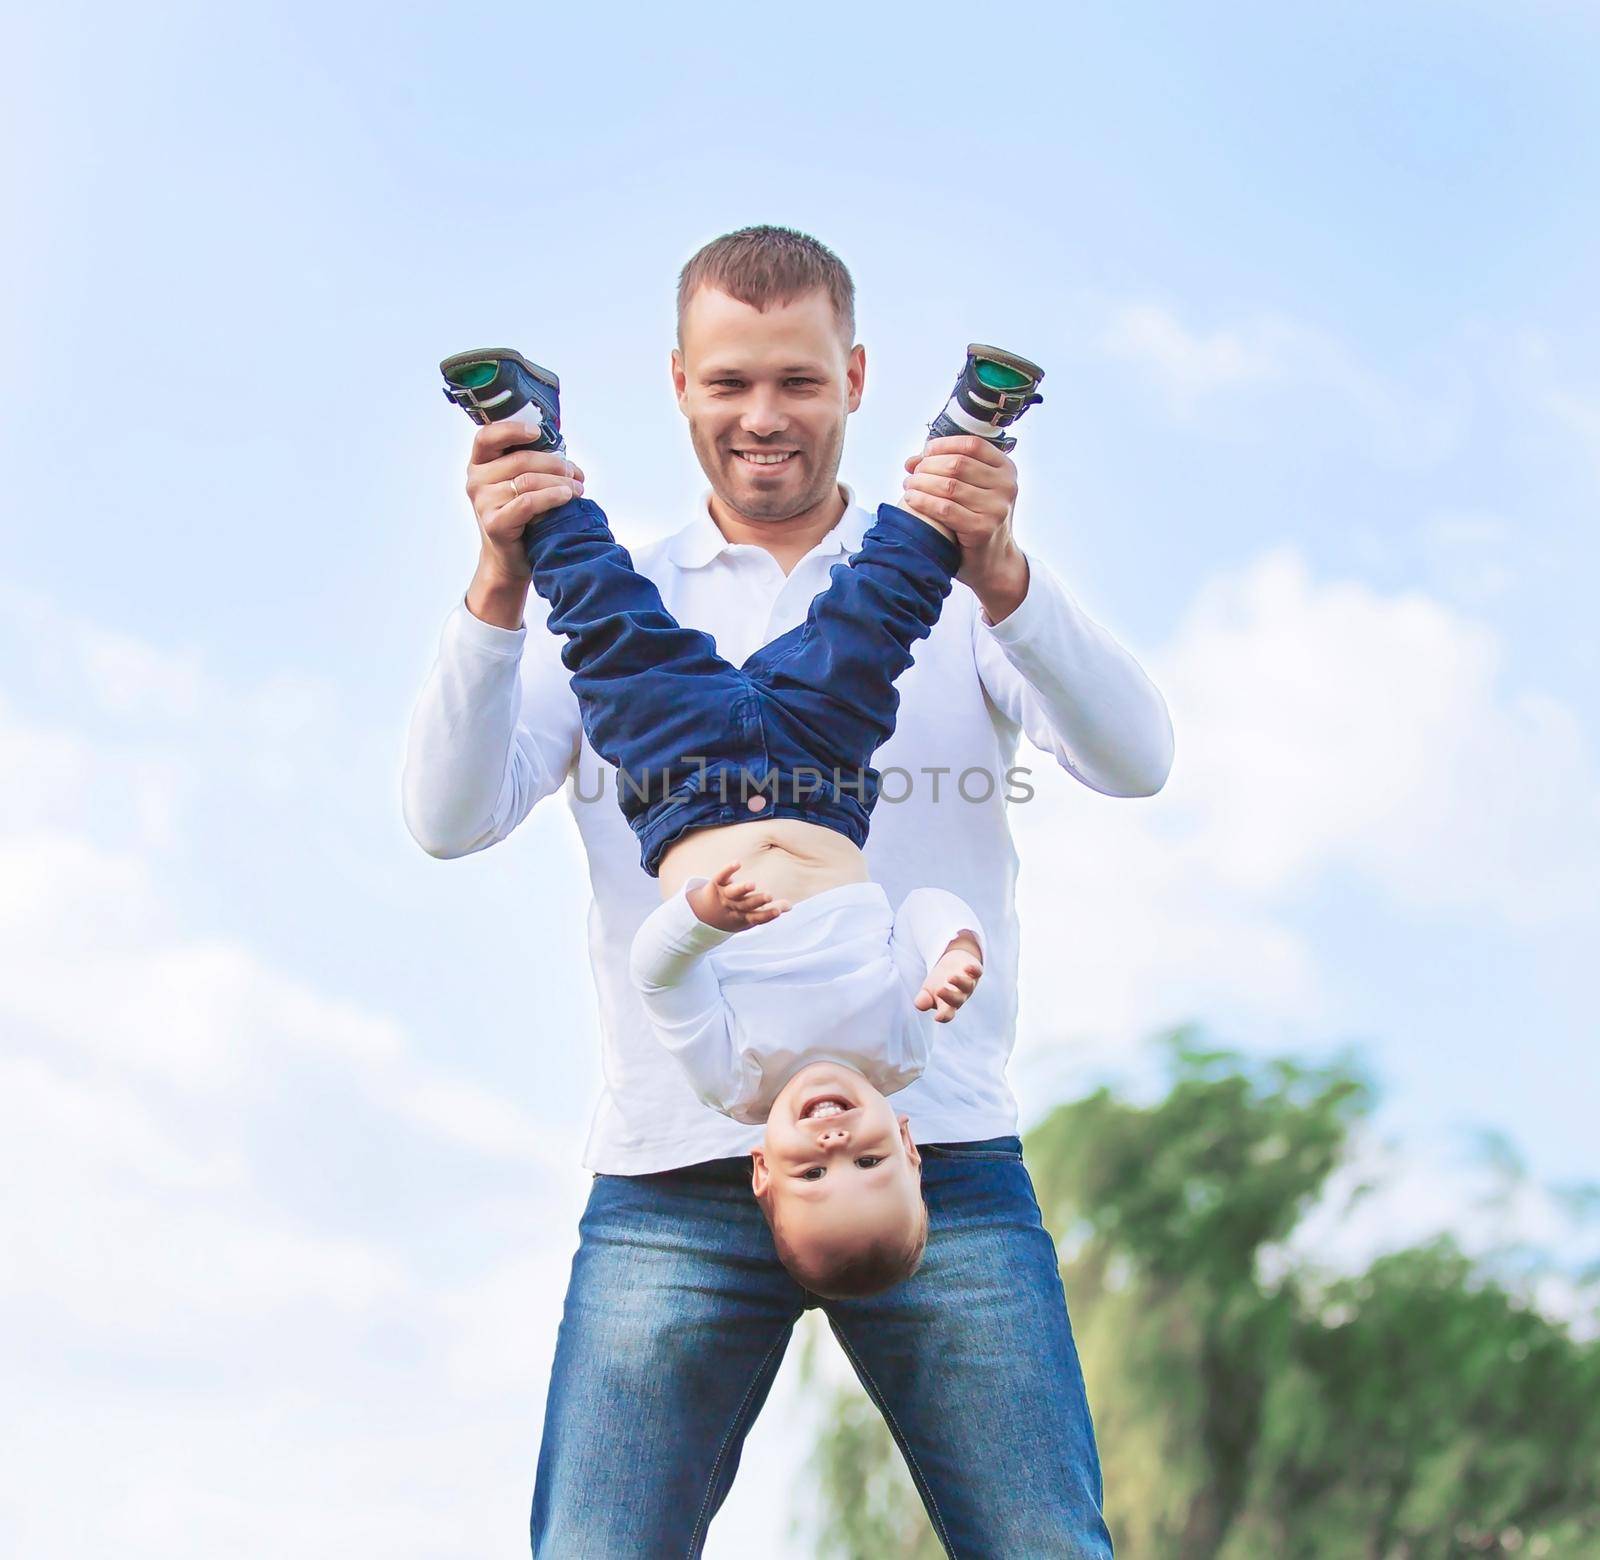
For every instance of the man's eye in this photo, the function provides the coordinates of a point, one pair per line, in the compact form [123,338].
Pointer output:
[814,1173]
[867,1161]
[801,381]
[733,384]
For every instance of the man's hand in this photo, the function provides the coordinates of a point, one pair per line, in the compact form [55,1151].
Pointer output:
[952,979]
[969,486]
[507,492]
[730,906]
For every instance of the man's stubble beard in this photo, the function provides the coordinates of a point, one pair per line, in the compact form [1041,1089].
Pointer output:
[772,506]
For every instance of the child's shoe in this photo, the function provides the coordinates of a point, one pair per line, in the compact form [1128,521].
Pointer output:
[994,390]
[497,383]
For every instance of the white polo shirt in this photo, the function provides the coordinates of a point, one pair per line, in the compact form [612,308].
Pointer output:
[496,729]
[833,979]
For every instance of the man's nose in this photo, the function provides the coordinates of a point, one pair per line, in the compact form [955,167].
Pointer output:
[763,417]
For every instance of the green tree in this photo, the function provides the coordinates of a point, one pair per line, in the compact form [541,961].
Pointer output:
[1247,1406]
[1423,1411]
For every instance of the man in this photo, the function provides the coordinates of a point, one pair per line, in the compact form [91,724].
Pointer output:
[678,1310]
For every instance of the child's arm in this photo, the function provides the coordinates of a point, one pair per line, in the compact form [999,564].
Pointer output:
[939,948]
[731,906]
[667,959]
[680,990]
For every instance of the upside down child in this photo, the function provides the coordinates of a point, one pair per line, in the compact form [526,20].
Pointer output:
[775,970]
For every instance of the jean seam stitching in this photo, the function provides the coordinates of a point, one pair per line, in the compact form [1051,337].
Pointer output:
[764,693]
[760,685]
[910,1456]
[701,1520]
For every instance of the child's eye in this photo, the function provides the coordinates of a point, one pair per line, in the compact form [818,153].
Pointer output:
[867,1161]
[814,1173]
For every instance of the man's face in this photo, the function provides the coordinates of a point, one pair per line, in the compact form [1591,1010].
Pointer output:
[756,385]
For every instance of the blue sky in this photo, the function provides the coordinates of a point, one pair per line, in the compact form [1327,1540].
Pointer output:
[297,1109]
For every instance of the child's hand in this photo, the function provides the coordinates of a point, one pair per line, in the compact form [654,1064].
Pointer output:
[952,980]
[730,906]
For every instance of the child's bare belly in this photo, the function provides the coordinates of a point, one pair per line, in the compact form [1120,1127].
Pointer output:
[787,857]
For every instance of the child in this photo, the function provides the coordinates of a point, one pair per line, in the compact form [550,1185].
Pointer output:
[780,977]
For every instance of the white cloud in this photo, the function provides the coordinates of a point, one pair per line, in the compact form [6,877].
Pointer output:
[94,968]
[1328,724]
[1323,728]
[135,680]
[1574,410]
[44,775]
[1468,555]
[1190,365]
[1126,930]
[1579,414]
[1282,368]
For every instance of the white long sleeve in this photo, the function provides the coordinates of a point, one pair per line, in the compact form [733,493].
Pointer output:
[682,995]
[926,923]
[667,960]
[1074,690]
[494,730]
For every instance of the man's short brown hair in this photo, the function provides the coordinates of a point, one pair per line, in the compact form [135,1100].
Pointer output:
[767,266]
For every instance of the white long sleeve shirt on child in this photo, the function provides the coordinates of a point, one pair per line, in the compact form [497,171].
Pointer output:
[834,978]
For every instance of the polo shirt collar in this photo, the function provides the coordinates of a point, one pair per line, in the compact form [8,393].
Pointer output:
[699,542]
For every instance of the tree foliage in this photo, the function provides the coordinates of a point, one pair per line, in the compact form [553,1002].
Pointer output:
[1247,1405]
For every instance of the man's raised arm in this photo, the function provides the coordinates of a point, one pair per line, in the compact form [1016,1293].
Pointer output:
[493,732]
[1077,693]
[1049,666]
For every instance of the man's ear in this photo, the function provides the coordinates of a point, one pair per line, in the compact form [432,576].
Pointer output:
[680,380]
[905,1137]
[855,374]
[759,1178]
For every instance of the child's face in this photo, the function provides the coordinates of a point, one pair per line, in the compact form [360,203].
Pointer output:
[838,1167]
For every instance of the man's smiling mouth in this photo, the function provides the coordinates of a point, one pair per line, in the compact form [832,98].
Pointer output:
[766,457]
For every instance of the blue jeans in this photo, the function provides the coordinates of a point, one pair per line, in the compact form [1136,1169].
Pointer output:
[692,735]
[677,1316]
